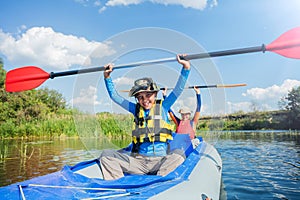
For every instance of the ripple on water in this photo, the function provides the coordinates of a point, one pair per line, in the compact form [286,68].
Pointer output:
[260,169]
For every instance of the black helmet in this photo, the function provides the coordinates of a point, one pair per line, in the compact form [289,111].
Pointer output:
[143,85]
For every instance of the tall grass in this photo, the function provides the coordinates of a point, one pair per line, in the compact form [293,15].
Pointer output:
[71,125]
[115,126]
[53,126]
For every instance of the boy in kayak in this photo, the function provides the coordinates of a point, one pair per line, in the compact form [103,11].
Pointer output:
[185,125]
[152,130]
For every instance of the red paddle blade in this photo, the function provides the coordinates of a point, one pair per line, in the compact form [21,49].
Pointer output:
[288,44]
[25,78]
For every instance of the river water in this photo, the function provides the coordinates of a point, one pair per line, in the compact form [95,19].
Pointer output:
[256,165]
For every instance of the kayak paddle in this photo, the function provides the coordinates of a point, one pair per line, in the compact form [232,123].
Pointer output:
[211,86]
[30,77]
[204,86]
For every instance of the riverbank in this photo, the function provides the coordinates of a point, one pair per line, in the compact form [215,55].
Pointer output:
[119,125]
[258,120]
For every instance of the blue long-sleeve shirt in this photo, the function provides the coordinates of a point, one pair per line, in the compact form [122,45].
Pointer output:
[149,148]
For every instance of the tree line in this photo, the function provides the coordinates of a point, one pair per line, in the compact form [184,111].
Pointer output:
[35,112]
[287,118]
[44,112]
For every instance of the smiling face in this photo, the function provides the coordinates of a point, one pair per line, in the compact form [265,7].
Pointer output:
[146,99]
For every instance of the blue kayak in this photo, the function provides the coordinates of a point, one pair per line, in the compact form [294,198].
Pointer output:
[199,177]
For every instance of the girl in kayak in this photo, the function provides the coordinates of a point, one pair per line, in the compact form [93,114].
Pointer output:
[185,125]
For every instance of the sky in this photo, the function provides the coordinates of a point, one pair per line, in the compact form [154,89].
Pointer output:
[62,35]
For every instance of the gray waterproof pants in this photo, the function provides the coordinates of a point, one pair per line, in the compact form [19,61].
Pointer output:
[114,164]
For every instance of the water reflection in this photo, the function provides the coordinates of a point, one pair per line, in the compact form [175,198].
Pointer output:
[260,165]
[215,136]
[256,165]
[24,159]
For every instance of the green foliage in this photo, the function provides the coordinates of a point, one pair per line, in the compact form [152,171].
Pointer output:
[292,101]
[2,74]
[232,125]
[29,105]
[203,126]
[43,112]
[34,112]
[51,98]
[281,119]
[270,120]
[115,125]
[7,129]
[54,126]
[57,125]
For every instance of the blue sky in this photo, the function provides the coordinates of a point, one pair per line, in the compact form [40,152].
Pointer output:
[58,35]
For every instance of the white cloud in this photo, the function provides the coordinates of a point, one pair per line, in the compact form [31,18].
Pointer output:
[250,106]
[102,9]
[87,96]
[122,2]
[97,3]
[273,92]
[195,4]
[45,47]
[82,2]
[240,106]
[21,29]
[123,81]
[188,101]
[263,98]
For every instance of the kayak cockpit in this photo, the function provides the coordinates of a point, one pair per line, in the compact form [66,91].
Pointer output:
[92,169]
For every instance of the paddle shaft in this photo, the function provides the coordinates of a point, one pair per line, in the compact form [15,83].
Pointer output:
[210,86]
[200,86]
[191,87]
[149,62]
[204,86]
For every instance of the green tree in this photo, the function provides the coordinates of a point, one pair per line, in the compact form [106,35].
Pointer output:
[30,105]
[293,107]
[2,74]
[53,99]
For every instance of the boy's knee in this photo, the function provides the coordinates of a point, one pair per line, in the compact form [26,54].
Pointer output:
[179,152]
[108,152]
